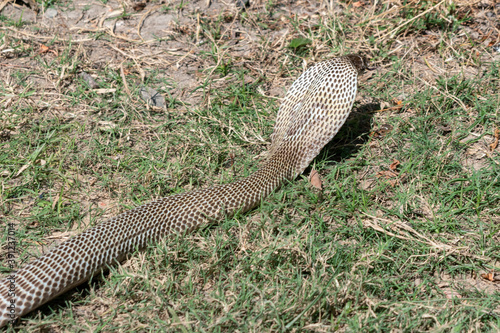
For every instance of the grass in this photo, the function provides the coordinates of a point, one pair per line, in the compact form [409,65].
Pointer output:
[385,246]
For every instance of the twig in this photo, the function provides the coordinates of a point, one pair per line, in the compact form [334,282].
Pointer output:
[421,238]
[4,3]
[47,38]
[125,85]
[446,94]
[411,20]
[143,17]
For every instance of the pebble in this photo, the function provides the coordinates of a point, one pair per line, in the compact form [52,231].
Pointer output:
[51,13]
[89,79]
[242,3]
[152,97]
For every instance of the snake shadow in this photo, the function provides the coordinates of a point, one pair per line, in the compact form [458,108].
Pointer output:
[344,145]
[66,300]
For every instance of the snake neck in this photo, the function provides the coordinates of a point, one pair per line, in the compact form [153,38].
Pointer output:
[278,168]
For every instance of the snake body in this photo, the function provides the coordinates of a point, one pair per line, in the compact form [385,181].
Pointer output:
[313,110]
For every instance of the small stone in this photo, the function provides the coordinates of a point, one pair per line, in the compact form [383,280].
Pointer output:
[242,3]
[152,97]
[403,96]
[51,13]
[106,126]
[89,79]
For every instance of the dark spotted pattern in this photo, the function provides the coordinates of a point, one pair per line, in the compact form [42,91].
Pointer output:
[314,109]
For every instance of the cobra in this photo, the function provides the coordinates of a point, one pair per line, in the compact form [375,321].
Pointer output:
[314,109]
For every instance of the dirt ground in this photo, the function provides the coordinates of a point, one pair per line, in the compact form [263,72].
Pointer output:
[170,36]
[160,35]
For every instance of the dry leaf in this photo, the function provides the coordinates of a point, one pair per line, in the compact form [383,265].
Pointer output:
[315,180]
[107,125]
[24,167]
[389,175]
[393,182]
[449,293]
[384,105]
[54,203]
[104,91]
[488,276]
[394,165]
[230,161]
[139,6]
[358,4]
[34,224]
[491,277]
[44,49]
[386,174]
[381,131]
[494,145]
[397,107]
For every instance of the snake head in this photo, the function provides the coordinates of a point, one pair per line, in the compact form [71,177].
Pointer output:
[360,62]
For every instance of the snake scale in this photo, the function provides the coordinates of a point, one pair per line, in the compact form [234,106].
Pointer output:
[314,108]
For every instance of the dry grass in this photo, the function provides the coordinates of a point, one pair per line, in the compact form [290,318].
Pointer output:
[384,247]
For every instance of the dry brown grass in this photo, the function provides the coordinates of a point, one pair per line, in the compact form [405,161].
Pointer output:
[373,252]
